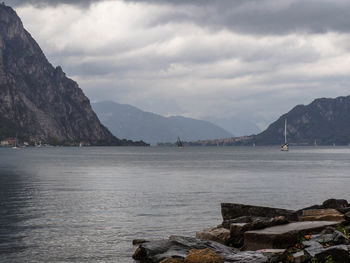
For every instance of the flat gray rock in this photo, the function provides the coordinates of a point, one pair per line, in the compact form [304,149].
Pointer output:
[282,236]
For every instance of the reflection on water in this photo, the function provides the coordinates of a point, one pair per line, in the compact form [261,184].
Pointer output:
[87,204]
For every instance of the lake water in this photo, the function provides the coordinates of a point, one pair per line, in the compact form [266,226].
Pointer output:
[88,204]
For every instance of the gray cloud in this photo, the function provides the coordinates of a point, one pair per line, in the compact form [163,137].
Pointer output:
[248,58]
[40,3]
[247,16]
[266,16]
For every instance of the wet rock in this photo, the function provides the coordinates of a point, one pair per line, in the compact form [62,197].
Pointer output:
[300,212]
[347,216]
[340,238]
[321,215]
[282,236]
[274,255]
[242,219]
[339,253]
[232,211]
[312,243]
[220,235]
[321,238]
[335,203]
[328,230]
[300,257]
[248,257]
[177,247]
[237,230]
[139,241]
[173,260]
[344,210]
[203,256]
[139,254]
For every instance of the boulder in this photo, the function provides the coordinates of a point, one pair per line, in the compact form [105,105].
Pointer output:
[179,247]
[300,257]
[347,216]
[237,230]
[203,256]
[282,236]
[232,211]
[176,247]
[321,215]
[339,238]
[339,253]
[335,203]
[344,210]
[220,235]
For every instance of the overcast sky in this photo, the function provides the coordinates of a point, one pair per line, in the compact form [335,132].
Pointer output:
[198,58]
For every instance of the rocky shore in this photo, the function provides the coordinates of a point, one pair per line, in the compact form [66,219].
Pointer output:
[248,234]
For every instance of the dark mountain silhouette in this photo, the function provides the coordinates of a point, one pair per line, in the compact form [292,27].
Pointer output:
[38,101]
[325,121]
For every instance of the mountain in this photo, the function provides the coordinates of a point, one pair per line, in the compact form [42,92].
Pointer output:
[132,123]
[325,120]
[38,101]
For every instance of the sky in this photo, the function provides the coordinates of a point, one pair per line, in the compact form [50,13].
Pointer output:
[255,59]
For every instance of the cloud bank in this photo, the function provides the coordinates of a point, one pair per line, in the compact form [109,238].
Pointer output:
[252,58]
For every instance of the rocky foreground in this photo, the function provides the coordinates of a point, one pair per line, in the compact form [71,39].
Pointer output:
[260,234]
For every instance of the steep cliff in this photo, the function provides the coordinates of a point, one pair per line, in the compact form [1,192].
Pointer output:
[38,101]
[325,121]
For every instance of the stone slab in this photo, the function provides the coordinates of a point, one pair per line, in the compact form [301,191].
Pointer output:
[282,236]
[321,215]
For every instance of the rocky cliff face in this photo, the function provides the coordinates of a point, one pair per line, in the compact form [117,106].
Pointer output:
[325,121]
[38,101]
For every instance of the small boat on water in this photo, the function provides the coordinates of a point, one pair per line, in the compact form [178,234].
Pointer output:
[285,147]
[179,143]
[16,144]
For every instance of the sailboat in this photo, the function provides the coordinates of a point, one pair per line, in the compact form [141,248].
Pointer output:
[285,147]
[179,143]
[15,146]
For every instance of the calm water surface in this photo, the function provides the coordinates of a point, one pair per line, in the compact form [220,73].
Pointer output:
[87,204]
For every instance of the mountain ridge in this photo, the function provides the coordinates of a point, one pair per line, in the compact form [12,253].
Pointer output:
[128,120]
[324,120]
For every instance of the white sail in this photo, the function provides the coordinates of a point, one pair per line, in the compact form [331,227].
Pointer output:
[285,131]
[285,147]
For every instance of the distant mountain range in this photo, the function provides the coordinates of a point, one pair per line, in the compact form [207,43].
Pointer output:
[325,121]
[38,101]
[126,121]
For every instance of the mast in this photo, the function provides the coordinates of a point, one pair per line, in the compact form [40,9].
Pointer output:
[285,131]
[179,142]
